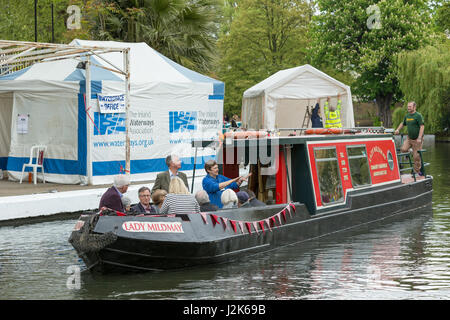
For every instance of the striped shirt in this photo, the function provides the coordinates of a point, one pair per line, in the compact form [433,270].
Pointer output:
[179,204]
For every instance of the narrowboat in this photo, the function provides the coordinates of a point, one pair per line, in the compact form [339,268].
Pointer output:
[313,183]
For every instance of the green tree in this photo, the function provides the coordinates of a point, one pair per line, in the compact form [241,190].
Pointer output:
[442,17]
[185,31]
[424,77]
[360,37]
[17,20]
[259,37]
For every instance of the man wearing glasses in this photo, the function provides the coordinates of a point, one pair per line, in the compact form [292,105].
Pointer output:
[144,205]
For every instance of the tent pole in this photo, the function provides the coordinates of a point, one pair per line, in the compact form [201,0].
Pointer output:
[126,63]
[193,174]
[88,127]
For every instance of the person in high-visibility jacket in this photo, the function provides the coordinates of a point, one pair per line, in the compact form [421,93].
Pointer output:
[332,114]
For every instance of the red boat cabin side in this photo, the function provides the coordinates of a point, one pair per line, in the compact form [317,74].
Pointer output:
[320,170]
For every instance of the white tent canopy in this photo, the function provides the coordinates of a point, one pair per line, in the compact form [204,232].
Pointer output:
[280,100]
[169,106]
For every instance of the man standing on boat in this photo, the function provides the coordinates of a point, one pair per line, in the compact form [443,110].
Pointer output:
[112,198]
[415,126]
[163,179]
[333,114]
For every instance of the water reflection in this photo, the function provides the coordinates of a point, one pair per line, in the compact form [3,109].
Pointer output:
[402,260]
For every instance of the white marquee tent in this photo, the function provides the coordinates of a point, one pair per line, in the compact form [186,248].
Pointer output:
[169,106]
[280,100]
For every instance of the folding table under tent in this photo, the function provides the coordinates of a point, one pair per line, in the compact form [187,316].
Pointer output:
[169,105]
[280,101]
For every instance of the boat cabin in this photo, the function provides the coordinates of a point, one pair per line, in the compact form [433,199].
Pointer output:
[317,170]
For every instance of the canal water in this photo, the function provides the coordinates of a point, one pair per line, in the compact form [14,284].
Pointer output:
[409,259]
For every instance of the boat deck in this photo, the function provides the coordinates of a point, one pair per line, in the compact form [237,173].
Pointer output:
[408,178]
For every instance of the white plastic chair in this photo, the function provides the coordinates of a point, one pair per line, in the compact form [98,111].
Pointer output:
[36,161]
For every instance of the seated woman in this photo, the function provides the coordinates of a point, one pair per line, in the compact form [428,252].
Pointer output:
[214,183]
[158,197]
[126,202]
[179,200]
[203,200]
[229,199]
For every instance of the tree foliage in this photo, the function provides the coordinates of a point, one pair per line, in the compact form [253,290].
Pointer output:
[356,36]
[424,77]
[442,17]
[17,20]
[183,30]
[259,37]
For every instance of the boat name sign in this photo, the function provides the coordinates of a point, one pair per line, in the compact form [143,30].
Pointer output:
[138,226]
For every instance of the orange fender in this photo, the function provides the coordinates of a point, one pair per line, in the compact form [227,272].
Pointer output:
[245,134]
[324,131]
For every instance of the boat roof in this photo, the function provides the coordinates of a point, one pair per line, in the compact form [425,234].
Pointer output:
[291,140]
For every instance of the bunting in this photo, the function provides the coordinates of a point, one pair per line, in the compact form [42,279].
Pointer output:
[224,222]
[255,226]
[249,227]
[203,214]
[283,213]
[241,225]
[233,225]
[289,210]
[214,219]
[261,225]
[267,221]
[270,221]
[273,222]
[293,207]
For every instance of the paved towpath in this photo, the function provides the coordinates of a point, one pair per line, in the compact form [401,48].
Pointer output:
[14,188]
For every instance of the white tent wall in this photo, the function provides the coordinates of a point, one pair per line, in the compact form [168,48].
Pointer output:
[286,108]
[303,83]
[52,121]
[252,112]
[6,107]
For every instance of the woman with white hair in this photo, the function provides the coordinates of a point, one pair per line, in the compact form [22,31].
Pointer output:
[179,200]
[126,202]
[229,199]
[203,200]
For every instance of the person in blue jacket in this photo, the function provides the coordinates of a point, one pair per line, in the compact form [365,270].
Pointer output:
[316,120]
[214,183]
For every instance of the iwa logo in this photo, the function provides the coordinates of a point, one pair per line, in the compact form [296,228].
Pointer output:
[182,121]
[109,123]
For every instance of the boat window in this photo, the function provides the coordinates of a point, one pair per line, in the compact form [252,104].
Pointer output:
[328,173]
[390,160]
[359,166]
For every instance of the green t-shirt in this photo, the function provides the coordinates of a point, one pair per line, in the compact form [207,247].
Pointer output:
[413,123]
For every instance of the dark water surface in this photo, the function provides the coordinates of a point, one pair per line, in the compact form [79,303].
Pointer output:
[409,259]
